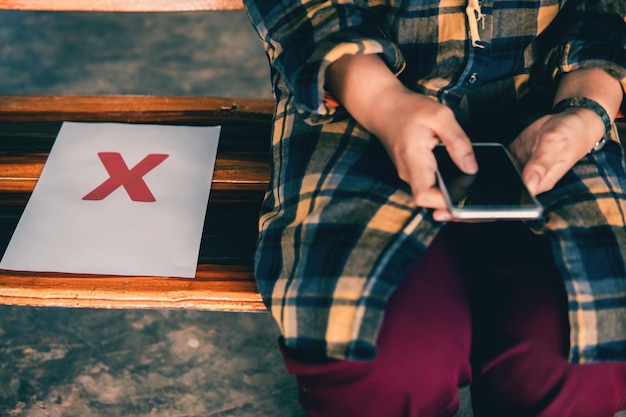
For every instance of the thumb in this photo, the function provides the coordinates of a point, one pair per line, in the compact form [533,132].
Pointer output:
[532,180]
[541,174]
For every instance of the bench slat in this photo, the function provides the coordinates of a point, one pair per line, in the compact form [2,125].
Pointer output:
[228,235]
[132,108]
[121,5]
[20,173]
[216,287]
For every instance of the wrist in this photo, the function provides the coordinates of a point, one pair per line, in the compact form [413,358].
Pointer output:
[591,106]
[364,86]
[397,112]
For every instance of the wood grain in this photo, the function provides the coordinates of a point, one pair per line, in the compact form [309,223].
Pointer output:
[216,287]
[19,173]
[139,109]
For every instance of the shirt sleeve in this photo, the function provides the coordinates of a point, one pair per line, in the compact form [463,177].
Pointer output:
[302,39]
[595,37]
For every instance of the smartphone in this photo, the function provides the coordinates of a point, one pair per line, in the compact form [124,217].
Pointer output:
[496,191]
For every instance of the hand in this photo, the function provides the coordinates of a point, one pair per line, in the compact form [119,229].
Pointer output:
[415,125]
[408,124]
[552,145]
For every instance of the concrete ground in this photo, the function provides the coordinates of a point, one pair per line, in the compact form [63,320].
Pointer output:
[100,363]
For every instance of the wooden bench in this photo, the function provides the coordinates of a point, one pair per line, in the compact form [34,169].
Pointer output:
[224,280]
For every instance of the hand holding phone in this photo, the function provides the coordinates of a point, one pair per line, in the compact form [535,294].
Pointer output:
[496,191]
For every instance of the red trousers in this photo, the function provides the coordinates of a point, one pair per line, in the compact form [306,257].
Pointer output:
[484,306]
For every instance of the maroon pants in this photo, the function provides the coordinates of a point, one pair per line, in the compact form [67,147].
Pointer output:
[484,306]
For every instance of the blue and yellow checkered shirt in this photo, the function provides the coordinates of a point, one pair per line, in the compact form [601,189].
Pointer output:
[339,229]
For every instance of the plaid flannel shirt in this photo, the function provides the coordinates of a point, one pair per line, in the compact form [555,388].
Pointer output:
[339,229]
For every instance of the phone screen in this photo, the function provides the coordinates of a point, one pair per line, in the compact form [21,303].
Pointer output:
[496,191]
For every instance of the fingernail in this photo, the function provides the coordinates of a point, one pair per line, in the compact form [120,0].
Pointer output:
[470,164]
[442,217]
[532,182]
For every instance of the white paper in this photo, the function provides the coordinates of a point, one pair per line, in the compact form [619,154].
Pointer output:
[59,231]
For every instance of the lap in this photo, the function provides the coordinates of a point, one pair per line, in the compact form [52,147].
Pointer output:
[494,307]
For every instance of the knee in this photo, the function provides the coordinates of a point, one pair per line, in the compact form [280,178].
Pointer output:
[364,390]
[518,383]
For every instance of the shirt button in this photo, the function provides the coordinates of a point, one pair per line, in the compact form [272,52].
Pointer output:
[472,78]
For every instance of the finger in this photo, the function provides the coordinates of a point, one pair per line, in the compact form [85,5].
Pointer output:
[430,198]
[459,147]
[423,179]
[442,215]
[542,172]
[555,154]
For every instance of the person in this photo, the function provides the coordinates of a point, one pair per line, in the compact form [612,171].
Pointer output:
[385,304]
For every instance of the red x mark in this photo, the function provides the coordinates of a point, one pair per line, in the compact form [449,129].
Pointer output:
[130,179]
